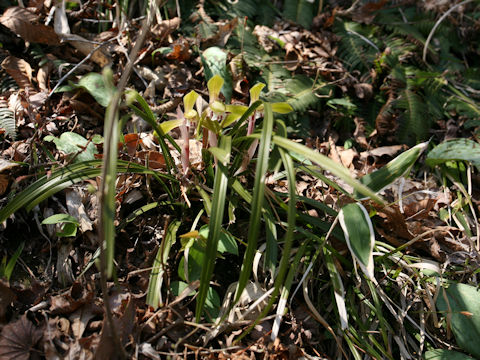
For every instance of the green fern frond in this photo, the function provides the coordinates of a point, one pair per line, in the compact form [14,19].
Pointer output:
[301,92]
[299,11]
[7,122]
[355,49]
[467,108]
[414,121]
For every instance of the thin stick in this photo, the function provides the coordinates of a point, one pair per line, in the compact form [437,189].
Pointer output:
[112,116]
[72,70]
[437,24]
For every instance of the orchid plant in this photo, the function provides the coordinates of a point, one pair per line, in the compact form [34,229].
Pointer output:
[210,120]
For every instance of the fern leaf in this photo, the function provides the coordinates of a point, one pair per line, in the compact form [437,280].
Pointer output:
[414,122]
[299,11]
[7,122]
[300,88]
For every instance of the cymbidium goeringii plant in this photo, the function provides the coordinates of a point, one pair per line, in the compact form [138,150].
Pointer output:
[215,117]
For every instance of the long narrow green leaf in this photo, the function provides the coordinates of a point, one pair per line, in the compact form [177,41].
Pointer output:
[257,201]
[339,291]
[358,230]
[396,168]
[327,164]
[216,219]
[108,189]
[154,295]
[293,269]
[12,262]
[62,178]
[287,248]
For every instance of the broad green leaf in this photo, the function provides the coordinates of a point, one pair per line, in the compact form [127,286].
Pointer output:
[221,154]
[169,125]
[68,230]
[395,169]
[96,86]
[281,108]
[196,259]
[212,304]
[226,241]
[60,218]
[457,149]
[154,295]
[442,354]
[75,144]
[460,303]
[215,225]
[358,230]
[214,61]
[342,102]
[300,11]
[177,288]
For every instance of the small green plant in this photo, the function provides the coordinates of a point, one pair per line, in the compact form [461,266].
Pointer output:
[67,223]
[6,267]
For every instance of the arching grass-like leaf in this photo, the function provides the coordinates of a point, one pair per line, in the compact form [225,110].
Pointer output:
[395,169]
[62,178]
[358,230]
[327,164]
[257,201]
[216,219]
[154,295]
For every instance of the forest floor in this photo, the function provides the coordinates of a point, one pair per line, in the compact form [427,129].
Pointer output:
[364,83]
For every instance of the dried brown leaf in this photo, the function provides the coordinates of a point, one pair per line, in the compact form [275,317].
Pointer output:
[165,28]
[6,294]
[22,22]
[19,70]
[19,340]
[42,77]
[124,326]
[86,47]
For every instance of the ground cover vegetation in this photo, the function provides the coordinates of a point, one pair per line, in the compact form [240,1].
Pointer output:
[239,179]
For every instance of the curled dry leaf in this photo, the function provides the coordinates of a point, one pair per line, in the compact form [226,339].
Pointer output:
[77,210]
[22,22]
[152,159]
[19,70]
[165,28]
[42,77]
[124,325]
[363,90]
[86,47]
[19,340]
